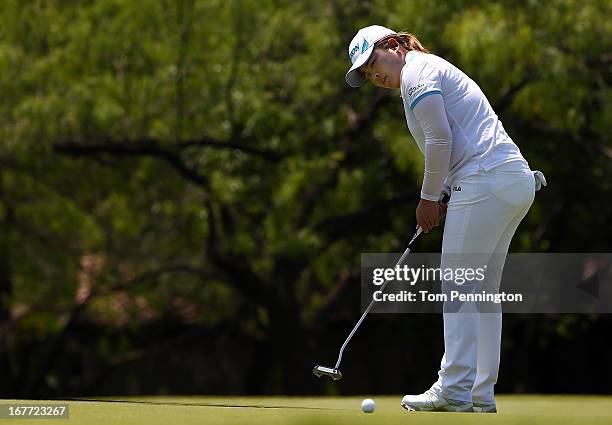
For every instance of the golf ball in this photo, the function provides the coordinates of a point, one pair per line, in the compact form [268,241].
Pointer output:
[368,405]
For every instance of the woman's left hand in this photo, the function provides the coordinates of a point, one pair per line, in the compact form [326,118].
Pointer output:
[427,215]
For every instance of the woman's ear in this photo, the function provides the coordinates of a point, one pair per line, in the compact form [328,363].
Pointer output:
[392,43]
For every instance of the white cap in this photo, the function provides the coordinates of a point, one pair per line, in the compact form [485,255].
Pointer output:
[360,50]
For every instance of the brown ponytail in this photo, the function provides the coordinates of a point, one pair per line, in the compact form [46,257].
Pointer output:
[407,40]
[412,43]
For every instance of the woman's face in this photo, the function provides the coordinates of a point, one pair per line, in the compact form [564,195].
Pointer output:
[384,66]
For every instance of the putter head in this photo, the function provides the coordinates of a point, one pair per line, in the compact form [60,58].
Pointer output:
[327,371]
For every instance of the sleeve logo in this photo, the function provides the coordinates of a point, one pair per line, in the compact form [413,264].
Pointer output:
[413,89]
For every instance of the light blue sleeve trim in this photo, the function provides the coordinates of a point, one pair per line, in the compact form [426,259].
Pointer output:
[421,96]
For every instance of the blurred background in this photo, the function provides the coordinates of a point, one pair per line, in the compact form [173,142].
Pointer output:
[186,188]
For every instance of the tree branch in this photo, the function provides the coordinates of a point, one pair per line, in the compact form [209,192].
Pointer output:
[236,269]
[207,142]
[132,150]
[506,100]
[340,225]
[358,122]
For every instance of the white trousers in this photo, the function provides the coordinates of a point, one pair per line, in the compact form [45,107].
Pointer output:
[483,213]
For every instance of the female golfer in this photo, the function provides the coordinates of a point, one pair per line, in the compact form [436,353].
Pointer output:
[469,156]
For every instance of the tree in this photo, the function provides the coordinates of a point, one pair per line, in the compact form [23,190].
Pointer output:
[203,164]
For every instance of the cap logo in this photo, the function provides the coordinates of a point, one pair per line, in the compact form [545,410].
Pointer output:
[365,46]
[354,50]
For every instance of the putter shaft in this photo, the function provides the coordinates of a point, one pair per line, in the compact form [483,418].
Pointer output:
[334,372]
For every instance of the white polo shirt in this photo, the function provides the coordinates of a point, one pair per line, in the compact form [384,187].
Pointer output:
[479,141]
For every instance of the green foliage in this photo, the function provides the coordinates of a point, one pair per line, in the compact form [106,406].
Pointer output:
[234,172]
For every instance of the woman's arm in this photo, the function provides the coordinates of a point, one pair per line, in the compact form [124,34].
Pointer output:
[431,116]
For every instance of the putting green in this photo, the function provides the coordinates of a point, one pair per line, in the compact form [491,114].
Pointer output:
[522,409]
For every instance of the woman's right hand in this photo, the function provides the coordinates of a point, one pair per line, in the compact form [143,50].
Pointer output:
[427,215]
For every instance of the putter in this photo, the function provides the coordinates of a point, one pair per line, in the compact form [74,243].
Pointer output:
[334,372]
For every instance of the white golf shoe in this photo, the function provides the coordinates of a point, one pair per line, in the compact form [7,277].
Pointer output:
[430,401]
[484,408]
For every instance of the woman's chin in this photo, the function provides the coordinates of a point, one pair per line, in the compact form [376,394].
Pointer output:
[393,85]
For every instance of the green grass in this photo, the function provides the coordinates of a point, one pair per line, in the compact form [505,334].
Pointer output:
[522,409]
